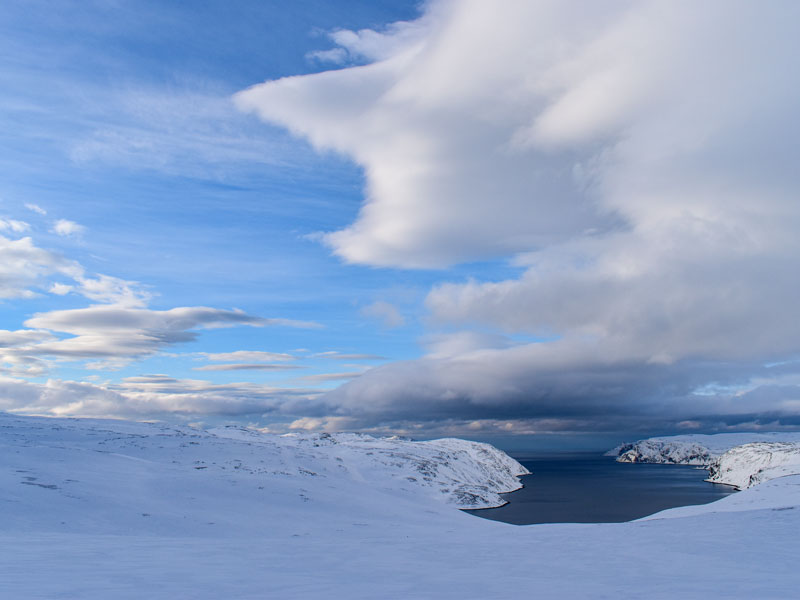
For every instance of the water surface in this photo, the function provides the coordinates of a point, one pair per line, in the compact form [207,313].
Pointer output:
[586,487]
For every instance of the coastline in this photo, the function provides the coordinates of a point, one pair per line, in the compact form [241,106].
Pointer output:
[588,487]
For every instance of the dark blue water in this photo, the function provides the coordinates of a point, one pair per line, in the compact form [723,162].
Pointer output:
[590,488]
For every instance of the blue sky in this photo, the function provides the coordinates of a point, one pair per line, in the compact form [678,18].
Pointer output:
[215,207]
[93,133]
[531,232]
[212,208]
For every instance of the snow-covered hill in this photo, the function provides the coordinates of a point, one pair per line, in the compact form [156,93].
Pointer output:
[462,473]
[111,509]
[692,449]
[750,464]
[78,458]
[738,459]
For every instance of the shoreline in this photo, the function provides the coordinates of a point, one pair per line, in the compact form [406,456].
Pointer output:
[505,502]
[662,492]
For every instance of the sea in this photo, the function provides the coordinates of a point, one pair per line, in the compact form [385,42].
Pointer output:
[587,487]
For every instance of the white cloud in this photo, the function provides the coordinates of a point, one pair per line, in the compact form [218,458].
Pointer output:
[116,331]
[371,45]
[563,105]
[326,377]
[60,289]
[384,312]
[16,358]
[23,266]
[22,337]
[35,208]
[66,228]
[123,332]
[445,179]
[330,424]
[441,345]
[155,396]
[116,334]
[638,158]
[337,56]
[334,355]
[247,367]
[15,226]
[110,290]
[247,355]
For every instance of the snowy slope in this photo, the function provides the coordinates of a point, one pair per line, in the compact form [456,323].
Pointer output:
[751,464]
[693,449]
[458,472]
[464,474]
[109,509]
[777,495]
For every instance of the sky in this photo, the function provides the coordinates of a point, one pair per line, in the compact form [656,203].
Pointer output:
[528,222]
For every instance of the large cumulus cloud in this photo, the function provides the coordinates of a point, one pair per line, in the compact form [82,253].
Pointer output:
[637,160]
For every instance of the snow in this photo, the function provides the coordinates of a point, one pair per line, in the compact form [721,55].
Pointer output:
[111,509]
[462,473]
[738,459]
[751,464]
[778,495]
[692,449]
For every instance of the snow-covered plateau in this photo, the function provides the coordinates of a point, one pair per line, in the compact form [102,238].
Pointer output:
[106,509]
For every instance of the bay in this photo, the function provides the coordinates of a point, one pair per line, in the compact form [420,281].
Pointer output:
[587,487]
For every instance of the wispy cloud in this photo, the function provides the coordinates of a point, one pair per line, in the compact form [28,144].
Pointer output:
[384,312]
[326,377]
[193,130]
[35,208]
[122,332]
[15,352]
[14,226]
[335,355]
[24,266]
[247,355]
[67,228]
[152,396]
[247,367]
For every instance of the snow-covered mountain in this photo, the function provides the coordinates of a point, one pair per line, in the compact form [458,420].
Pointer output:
[692,449]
